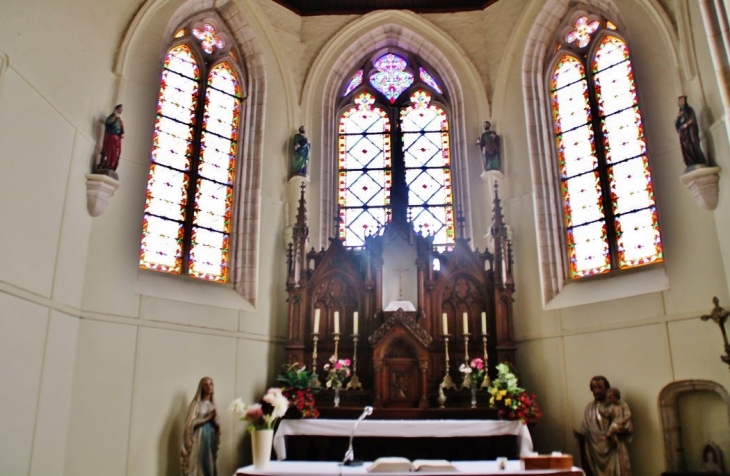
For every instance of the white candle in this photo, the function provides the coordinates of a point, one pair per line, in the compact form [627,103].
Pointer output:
[337,322]
[465,317]
[354,323]
[444,324]
[316,321]
[484,323]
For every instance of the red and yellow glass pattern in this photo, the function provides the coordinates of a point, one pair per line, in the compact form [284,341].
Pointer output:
[165,207]
[632,190]
[426,153]
[364,170]
[629,226]
[181,172]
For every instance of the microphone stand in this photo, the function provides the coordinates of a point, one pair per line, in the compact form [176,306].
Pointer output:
[350,453]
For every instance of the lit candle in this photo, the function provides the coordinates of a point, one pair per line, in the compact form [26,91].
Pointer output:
[484,323]
[316,321]
[465,317]
[337,322]
[444,324]
[354,323]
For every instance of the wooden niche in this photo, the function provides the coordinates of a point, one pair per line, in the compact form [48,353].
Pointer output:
[400,285]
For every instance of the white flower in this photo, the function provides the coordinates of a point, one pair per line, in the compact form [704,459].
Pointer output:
[237,409]
[278,401]
[465,369]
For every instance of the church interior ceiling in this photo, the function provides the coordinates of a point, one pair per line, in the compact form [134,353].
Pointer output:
[347,7]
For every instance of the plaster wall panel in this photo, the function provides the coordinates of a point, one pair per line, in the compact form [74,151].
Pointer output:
[542,372]
[34,178]
[23,327]
[113,253]
[169,366]
[68,282]
[54,405]
[703,417]
[102,399]
[165,310]
[636,361]
[620,312]
[696,347]
[43,38]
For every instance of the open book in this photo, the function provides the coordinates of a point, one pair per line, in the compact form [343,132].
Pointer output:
[395,464]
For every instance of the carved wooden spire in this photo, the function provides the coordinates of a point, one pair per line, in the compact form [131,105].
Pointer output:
[300,236]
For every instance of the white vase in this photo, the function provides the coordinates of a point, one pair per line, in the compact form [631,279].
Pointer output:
[261,447]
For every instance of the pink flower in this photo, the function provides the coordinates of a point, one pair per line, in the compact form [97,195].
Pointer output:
[254,412]
[338,365]
[347,362]
[478,363]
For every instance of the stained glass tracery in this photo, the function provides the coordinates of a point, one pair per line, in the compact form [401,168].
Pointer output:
[187,218]
[355,81]
[209,40]
[609,206]
[428,79]
[391,77]
[583,31]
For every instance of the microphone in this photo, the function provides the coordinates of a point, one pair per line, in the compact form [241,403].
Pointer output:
[350,453]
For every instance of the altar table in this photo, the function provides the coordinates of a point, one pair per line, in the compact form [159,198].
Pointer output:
[466,468]
[403,429]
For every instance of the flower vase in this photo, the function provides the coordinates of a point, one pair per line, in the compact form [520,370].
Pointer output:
[474,396]
[261,447]
[337,397]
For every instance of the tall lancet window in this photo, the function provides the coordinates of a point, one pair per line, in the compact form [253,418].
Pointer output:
[394,151]
[608,195]
[187,216]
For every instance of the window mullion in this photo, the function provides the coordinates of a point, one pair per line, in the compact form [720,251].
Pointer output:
[603,166]
[193,172]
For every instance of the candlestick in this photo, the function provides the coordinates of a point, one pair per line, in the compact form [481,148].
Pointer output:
[446,382]
[354,323]
[316,321]
[465,317]
[467,378]
[354,382]
[336,335]
[314,381]
[337,322]
[444,324]
[486,382]
[484,323]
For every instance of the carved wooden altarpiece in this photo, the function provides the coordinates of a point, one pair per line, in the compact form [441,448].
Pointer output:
[400,355]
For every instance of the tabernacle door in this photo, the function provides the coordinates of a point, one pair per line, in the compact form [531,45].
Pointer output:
[400,362]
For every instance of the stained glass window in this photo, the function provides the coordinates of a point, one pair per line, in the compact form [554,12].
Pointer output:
[187,217]
[391,77]
[364,170]
[426,153]
[354,82]
[375,156]
[609,206]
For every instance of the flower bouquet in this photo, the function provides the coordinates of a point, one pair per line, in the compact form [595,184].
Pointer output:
[296,383]
[262,415]
[474,373]
[337,372]
[511,401]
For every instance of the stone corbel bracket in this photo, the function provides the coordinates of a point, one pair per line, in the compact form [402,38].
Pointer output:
[99,190]
[703,183]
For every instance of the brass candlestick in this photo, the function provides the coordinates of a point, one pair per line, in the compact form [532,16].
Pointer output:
[467,378]
[446,382]
[486,382]
[314,381]
[354,382]
[336,336]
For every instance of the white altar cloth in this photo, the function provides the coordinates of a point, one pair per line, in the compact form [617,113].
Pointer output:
[329,468]
[402,429]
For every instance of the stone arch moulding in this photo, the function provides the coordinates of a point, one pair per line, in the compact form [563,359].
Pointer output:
[246,226]
[538,117]
[409,32]
[669,413]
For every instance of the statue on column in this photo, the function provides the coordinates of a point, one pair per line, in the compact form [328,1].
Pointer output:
[689,135]
[111,148]
[301,148]
[489,145]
